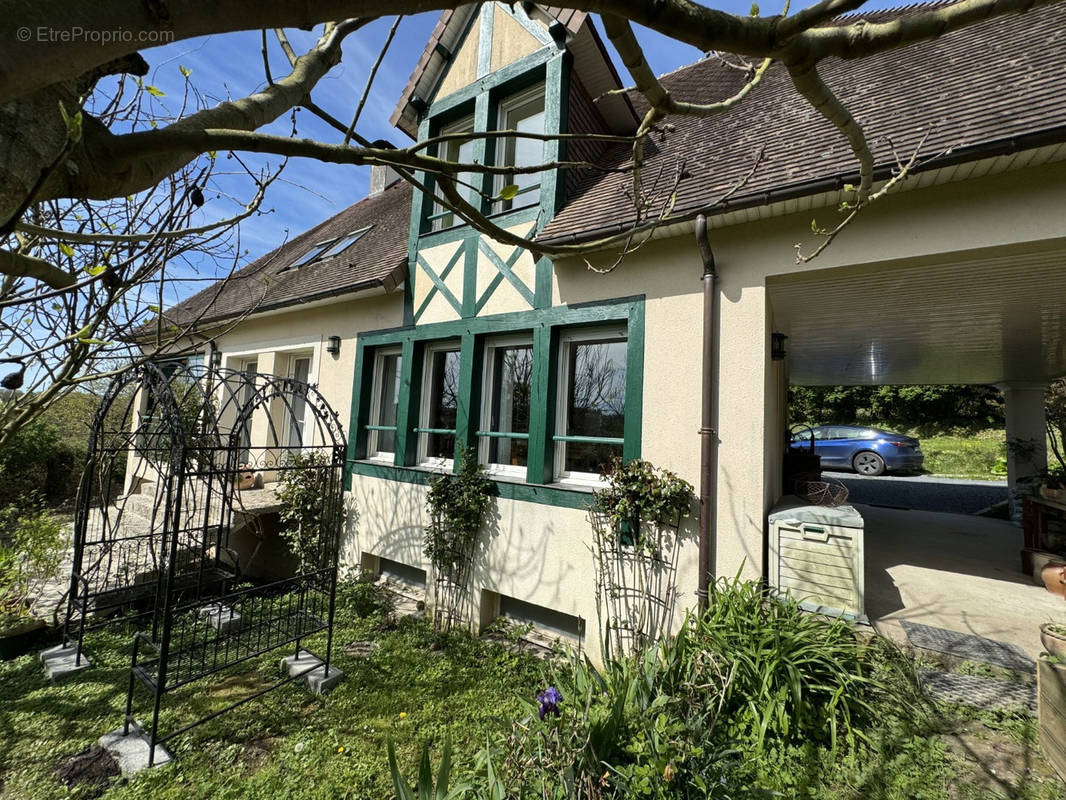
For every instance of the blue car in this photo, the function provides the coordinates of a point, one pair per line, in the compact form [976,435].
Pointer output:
[868,451]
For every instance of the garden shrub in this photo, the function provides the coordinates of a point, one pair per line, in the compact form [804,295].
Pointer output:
[358,593]
[37,461]
[300,488]
[31,549]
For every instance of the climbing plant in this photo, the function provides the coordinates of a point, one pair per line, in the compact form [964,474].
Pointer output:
[457,505]
[637,527]
[638,492]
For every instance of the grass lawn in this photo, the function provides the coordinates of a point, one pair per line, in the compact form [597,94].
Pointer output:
[418,686]
[980,455]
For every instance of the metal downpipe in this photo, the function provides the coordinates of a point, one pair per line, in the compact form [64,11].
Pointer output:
[707,433]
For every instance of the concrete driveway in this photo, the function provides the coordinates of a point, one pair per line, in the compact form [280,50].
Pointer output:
[950,571]
[922,492]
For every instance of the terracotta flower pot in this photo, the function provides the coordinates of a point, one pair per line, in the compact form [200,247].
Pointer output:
[1053,576]
[1057,495]
[1054,641]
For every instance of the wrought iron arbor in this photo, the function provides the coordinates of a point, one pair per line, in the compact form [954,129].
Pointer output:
[180,457]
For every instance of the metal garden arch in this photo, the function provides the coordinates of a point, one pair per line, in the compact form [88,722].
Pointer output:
[181,457]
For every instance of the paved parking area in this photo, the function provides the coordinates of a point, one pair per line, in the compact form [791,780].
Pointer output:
[922,492]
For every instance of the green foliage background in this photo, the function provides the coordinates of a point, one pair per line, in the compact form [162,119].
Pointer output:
[927,409]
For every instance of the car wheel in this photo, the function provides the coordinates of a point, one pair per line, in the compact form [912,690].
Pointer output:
[868,463]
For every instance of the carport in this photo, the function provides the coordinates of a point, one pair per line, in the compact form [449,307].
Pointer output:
[988,316]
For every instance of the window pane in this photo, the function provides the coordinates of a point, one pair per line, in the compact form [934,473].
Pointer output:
[525,118]
[457,150]
[442,401]
[512,370]
[388,399]
[301,369]
[247,393]
[595,403]
[341,244]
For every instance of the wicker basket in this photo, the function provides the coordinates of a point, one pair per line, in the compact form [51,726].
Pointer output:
[822,493]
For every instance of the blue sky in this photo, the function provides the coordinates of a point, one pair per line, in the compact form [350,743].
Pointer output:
[231,65]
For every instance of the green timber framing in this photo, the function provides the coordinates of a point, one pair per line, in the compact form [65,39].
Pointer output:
[546,326]
[549,64]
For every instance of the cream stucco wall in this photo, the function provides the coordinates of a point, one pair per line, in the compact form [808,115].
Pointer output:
[272,338]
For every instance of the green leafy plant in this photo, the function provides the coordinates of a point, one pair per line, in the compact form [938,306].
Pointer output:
[300,490]
[793,676]
[31,550]
[457,505]
[639,492]
[358,593]
[427,787]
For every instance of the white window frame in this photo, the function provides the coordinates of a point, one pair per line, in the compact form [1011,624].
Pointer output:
[616,332]
[375,404]
[247,391]
[506,106]
[484,442]
[290,372]
[464,125]
[424,459]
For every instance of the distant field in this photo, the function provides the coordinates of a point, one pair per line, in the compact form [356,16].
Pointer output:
[957,453]
[977,455]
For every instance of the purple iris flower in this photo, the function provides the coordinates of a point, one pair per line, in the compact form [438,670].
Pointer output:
[549,701]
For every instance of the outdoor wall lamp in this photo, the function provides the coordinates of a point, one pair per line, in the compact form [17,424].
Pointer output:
[333,345]
[777,346]
[216,357]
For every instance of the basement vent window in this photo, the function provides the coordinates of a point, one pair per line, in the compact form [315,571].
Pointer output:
[327,249]
[547,621]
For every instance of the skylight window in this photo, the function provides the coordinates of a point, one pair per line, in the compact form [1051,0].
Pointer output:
[327,249]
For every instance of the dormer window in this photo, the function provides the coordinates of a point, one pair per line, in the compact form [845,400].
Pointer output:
[457,150]
[328,248]
[524,113]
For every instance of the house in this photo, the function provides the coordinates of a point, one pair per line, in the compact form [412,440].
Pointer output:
[449,339]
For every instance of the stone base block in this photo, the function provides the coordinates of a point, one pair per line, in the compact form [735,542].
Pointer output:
[60,661]
[221,618]
[316,679]
[131,750]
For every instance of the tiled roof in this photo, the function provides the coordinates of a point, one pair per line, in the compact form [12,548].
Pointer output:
[377,259]
[999,80]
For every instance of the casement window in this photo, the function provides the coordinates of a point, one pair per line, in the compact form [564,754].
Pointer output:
[591,409]
[457,150]
[299,370]
[547,399]
[506,405]
[385,400]
[524,113]
[440,404]
[249,369]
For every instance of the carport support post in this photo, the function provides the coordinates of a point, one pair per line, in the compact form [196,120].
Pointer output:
[1026,440]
